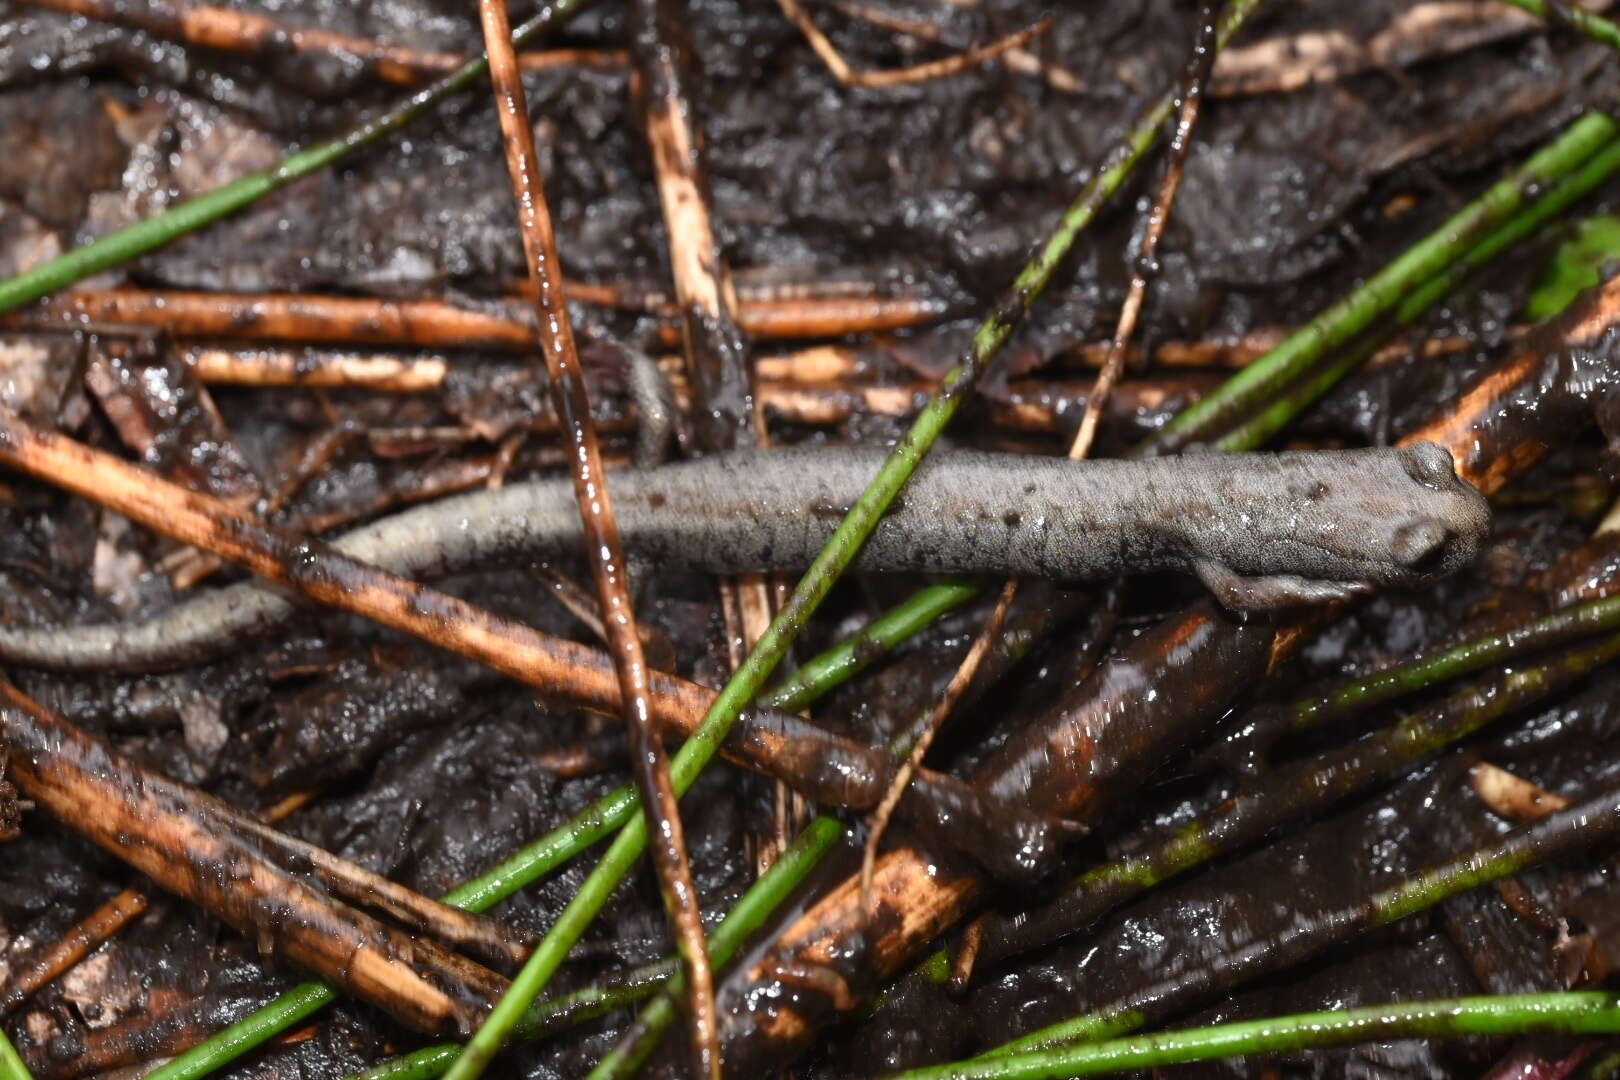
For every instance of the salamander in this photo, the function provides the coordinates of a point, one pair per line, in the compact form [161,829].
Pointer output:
[1263,531]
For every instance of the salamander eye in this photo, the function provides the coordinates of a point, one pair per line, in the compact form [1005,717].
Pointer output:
[1420,544]
[1429,464]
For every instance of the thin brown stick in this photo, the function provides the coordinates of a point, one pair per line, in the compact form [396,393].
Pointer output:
[101,924]
[716,354]
[431,324]
[183,840]
[825,767]
[1418,33]
[818,365]
[604,548]
[75,945]
[1192,95]
[579,603]
[1020,60]
[888,77]
[257,35]
[411,909]
[878,822]
[1497,428]
[317,369]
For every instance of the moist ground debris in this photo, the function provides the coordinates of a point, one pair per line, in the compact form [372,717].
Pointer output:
[428,769]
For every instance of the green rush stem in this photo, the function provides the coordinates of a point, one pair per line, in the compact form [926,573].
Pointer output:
[818,676]
[1579,1012]
[1306,789]
[11,1062]
[1348,317]
[1423,672]
[763,897]
[989,338]
[750,913]
[1558,834]
[817,581]
[1593,26]
[144,236]
[860,650]
[812,844]
[1277,413]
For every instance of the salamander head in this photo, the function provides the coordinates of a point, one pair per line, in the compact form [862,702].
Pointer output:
[1445,536]
[1410,522]
[1373,518]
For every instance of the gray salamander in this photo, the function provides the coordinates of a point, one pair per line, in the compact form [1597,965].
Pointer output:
[1261,530]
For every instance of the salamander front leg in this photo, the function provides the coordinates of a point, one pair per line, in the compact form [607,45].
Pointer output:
[1272,592]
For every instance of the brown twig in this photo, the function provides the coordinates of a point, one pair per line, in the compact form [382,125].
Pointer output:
[73,946]
[1020,60]
[101,924]
[317,369]
[1192,96]
[716,355]
[431,324]
[889,77]
[780,745]
[604,548]
[183,840]
[1110,728]
[1421,32]
[259,36]
[714,350]
[878,821]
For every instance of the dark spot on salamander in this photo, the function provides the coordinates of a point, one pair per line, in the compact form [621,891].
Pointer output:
[1029,489]
[656,500]
[828,510]
[1012,519]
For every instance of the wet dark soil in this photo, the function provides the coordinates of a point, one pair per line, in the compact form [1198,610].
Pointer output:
[429,769]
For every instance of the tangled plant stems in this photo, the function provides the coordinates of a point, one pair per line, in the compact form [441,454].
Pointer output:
[1576,146]
[1274,416]
[118,248]
[1508,1014]
[1336,326]
[819,676]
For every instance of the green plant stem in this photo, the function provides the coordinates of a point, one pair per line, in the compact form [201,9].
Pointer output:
[817,677]
[1254,432]
[1288,362]
[1294,794]
[1423,672]
[144,236]
[11,1063]
[1593,26]
[750,913]
[1574,829]
[853,655]
[818,580]
[773,886]
[1581,1012]
[814,842]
